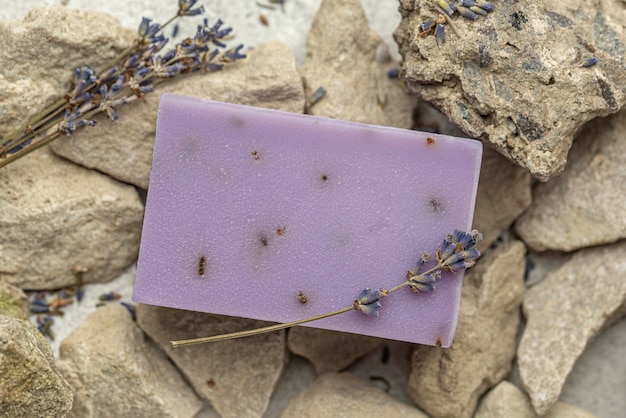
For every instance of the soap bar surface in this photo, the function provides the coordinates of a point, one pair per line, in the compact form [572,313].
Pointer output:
[277,216]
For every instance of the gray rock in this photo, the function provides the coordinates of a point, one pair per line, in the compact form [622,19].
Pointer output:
[40,52]
[350,61]
[579,208]
[123,149]
[515,78]
[236,376]
[115,373]
[329,351]
[13,301]
[448,382]
[55,215]
[506,400]
[30,384]
[345,395]
[503,195]
[563,313]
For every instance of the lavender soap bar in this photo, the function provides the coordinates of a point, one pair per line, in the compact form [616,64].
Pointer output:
[277,216]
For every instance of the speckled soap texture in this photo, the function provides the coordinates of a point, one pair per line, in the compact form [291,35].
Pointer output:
[249,207]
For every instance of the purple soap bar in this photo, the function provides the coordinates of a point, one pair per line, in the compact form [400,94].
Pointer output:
[250,212]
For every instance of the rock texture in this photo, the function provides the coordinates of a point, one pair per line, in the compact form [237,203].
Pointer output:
[506,400]
[55,215]
[123,149]
[345,395]
[115,373]
[564,312]
[448,382]
[515,77]
[40,51]
[236,376]
[504,193]
[30,384]
[578,209]
[13,301]
[351,61]
[329,351]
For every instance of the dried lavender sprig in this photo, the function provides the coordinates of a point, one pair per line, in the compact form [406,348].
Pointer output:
[456,252]
[129,77]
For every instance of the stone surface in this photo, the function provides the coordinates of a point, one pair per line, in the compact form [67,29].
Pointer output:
[329,351]
[30,384]
[55,215]
[506,400]
[563,313]
[504,193]
[40,51]
[578,209]
[351,61]
[236,376]
[448,382]
[13,301]
[123,149]
[515,78]
[115,373]
[345,395]
[598,372]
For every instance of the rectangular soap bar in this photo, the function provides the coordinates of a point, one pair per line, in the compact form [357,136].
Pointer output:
[250,211]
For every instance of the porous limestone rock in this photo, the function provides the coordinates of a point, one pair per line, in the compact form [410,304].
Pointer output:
[351,61]
[55,215]
[329,351]
[13,301]
[236,376]
[40,52]
[348,396]
[115,373]
[30,384]
[581,208]
[448,382]
[123,149]
[563,313]
[515,78]
[506,400]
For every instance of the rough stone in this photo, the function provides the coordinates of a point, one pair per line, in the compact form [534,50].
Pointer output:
[448,382]
[329,351]
[115,373]
[345,395]
[578,208]
[55,215]
[504,193]
[506,400]
[350,61]
[236,376]
[563,313]
[40,52]
[13,301]
[30,384]
[515,78]
[123,149]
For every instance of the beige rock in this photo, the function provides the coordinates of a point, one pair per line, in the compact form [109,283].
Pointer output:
[515,78]
[345,395]
[40,52]
[448,382]
[123,149]
[13,301]
[30,384]
[351,61]
[506,400]
[563,313]
[579,208]
[503,194]
[236,376]
[329,351]
[115,373]
[55,215]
